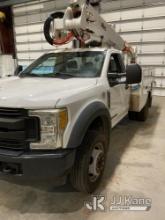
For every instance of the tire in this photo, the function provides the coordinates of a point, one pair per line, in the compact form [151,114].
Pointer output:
[142,115]
[90,162]
[132,115]
[150,100]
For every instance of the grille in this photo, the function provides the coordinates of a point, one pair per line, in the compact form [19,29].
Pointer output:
[11,113]
[17,129]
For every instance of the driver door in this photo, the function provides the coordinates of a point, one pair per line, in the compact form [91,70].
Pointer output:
[119,94]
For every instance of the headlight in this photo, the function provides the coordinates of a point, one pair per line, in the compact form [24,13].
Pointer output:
[53,124]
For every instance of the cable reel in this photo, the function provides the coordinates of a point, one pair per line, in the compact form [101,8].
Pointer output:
[59,37]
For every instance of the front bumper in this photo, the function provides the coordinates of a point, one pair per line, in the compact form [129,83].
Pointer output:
[36,165]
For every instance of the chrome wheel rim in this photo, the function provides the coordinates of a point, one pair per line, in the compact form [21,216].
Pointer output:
[97,162]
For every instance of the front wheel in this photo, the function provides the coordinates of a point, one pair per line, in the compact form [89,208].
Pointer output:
[90,162]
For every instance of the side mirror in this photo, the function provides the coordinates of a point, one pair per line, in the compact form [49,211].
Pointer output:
[18,70]
[133,74]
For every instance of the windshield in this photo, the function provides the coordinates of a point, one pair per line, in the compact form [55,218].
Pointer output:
[67,64]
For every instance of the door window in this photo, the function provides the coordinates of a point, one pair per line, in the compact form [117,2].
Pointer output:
[116,64]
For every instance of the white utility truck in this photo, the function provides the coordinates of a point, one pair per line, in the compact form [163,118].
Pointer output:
[56,116]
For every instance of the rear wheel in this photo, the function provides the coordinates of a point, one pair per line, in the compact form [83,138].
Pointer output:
[150,100]
[142,115]
[132,115]
[90,162]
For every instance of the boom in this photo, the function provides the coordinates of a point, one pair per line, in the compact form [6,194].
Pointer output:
[83,21]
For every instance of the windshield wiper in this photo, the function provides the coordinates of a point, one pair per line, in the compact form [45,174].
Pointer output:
[46,75]
[64,74]
[28,75]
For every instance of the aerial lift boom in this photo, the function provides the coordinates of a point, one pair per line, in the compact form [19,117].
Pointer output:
[83,21]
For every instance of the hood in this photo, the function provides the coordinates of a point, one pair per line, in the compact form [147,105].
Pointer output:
[38,93]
